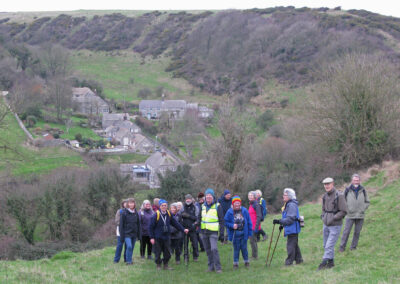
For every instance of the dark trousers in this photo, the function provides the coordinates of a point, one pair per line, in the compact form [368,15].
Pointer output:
[176,248]
[358,224]
[145,242]
[293,250]
[200,241]
[162,246]
[261,232]
[193,238]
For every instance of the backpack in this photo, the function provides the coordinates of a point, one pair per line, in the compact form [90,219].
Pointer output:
[263,209]
[158,215]
[346,192]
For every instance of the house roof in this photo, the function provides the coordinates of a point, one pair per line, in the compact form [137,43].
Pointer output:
[150,104]
[115,116]
[82,91]
[167,104]
[174,104]
[125,124]
[159,159]
[123,132]
[85,95]
[48,136]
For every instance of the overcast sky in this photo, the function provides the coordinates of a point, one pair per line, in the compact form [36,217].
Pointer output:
[384,7]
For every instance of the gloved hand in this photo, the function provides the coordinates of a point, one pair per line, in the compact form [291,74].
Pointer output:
[221,238]
[280,228]
[255,231]
[275,221]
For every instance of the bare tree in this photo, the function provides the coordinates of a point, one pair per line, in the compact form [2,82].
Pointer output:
[60,94]
[186,131]
[55,60]
[229,158]
[355,112]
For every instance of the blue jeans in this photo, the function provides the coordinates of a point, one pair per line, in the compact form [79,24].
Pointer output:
[130,245]
[118,250]
[239,244]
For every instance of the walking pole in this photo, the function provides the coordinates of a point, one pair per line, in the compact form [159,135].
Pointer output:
[233,239]
[275,247]
[270,242]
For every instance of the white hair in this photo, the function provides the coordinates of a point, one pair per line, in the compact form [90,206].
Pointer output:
[259,192]
[144,204]
[290,192]
[253,193]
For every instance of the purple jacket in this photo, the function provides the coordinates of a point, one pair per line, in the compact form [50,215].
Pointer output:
[145,221]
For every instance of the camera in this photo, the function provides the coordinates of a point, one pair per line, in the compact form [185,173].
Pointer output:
[301,221]
[165,229]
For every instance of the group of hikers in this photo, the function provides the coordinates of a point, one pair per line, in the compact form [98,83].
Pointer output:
[166,230]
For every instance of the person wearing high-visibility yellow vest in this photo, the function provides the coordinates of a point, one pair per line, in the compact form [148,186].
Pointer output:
[211,220]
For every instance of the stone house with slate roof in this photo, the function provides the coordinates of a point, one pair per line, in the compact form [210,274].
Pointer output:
[87,102]
[159,163]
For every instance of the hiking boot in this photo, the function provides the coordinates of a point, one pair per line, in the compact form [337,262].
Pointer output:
[323,264]
[219,271]
[210,270]
[299,261]
[177,262]
[235,266]
[149,257]
[195,259]
[129,263]
[166,267]
[330,264]
[247,264]
[353,248]
[265,237]
[158,266]
[341,250]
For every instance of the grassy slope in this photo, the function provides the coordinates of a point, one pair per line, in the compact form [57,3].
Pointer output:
[115,70]
[28,161]
[375,261]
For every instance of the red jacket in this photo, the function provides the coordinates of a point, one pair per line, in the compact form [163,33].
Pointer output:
[253,215]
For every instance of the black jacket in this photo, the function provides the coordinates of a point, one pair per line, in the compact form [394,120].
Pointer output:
[129,224]
[190,215]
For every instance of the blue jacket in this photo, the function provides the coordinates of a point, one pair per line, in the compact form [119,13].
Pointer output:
[290,216]
[229,222]
[156,228]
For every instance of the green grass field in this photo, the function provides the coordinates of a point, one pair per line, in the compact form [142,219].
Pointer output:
[24,160]
[86,132]
[116,70]
[375,261]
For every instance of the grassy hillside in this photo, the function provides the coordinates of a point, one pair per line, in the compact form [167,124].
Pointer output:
[124,73]
[375,261]
[25,160]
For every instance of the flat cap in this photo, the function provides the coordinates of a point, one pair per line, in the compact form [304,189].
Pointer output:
[327,180]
